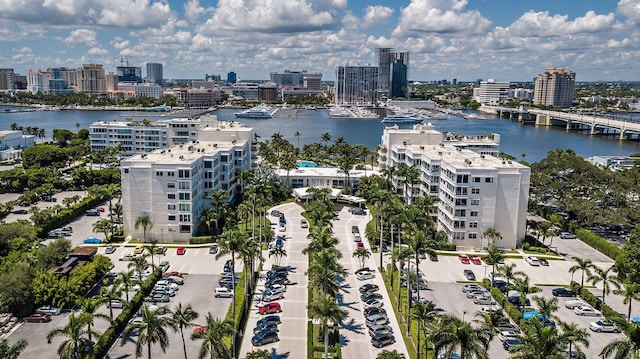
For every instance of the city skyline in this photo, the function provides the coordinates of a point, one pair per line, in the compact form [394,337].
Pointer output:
[467,40]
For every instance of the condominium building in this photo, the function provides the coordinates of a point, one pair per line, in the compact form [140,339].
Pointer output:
[356,85]
[64,73]
[147,89]
[170,185]
[154,73]
[142,137]
[474,190]
[492,93]
[91,80]
[385,56]
[297,80]
[554,87]
[38,81]
[393,72]
[7,79]
[12,143]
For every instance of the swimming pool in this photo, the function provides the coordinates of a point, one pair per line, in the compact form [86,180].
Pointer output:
[307,164]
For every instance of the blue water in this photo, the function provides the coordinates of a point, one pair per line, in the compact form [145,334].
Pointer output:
[516,139]
[306,164]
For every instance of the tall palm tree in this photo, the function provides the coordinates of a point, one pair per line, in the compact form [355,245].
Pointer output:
[509,272]
[278,253]
[323,270]
[630,291]
[125,282]
[77,345]
[152,250]
[138,264]
[574,335]
[325,137]
[104,226]
[417,243]
[489,319]
[109,293]
[450,334]
[362,254]
[214,343]
[89,307]
[145,222]
[539,342]
[326,309]
[210,218]
[400,254]
[491,235]
[607,277]
[12,351]
[546,306]
[583,265]
[494,256]
[183,317]
[624,347]
[523,286]
[423,313]
[151,330]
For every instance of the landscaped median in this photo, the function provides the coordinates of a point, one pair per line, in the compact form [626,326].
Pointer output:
[401,317]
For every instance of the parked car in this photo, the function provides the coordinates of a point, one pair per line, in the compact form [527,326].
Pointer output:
[157,297]
[20,211]
[370,295]
[563,292]
[100,209]
[227,266]
[484,301]
[463,258]
[282,227]
[37,318]
[138,250]
[543,262]
[265,337]
[571,304]
[507,334]
[374,303]
[358,211]
[223,292]
[508,343]
[114,303]
[161,250]
[276,288]
[265,326]
[382,340]
[533,261]
[175,279]
[357,237]
[164,290]
[516,300]
[92,240]
[475,260]
[271,296]
[269,318]
[380,329]
[376,319]
[166,283]
[369,287]
[370,310]
[585,310]
[604,326]
[360,245]
[365,275]
[276,213]
[269,308]
[128,257]
[473,287]
[468,273]
[164,265]
[49,310]
[92,213]
[507,326]
[567,235]
[433,257]
[181,250]
[110,249]
[304,223]
[355,229]
[476,293]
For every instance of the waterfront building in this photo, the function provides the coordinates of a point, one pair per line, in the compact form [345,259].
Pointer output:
[294,80]
[425,104]
[614,163]
[136,137]
[246,90]
[385,56]
[473,189]
[398,83]
[522,94]
[147,89]
[170,185]
[91,80]
[38,81]
[64,73]
[194,98]
[554,87]
[154,73]
[322,177]
[7,79]
[12,143]
[268,92]
[111,83]
[129,74]
[356,85]
[492,93]
[232,77]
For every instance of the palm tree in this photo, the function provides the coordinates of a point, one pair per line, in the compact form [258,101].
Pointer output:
[109,293]
[259,354]
[151,330]
[423,313]
[88,307]
[77,345]
[540,342]
[297,136]
[494,256]
[278,253]
[583,265]
[489,319]
[400,254]
[630,291]
[627,346]
[417,244]
[323,270]
[510,273]
[362,254]
[451,333]
[143,221]
[103,226]
[385,354]
[523,286]
[138,264]
[325,137]
[214,337]
[8,351]
[326,310]
[491,235]
[574,335]
[152,250]
[546,306]
[183,317]
[607,277]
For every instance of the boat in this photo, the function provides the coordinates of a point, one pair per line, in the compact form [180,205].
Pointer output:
[161,108]
[401,118]
[339,112]
[255,112]
[309,108]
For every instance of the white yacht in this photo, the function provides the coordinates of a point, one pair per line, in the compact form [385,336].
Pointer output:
[255,112]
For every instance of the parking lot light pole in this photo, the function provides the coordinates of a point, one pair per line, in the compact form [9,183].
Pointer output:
[380,248]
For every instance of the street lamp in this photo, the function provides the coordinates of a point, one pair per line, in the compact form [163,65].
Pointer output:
[380,248]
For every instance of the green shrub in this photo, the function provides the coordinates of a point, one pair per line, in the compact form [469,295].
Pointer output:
[446,247]
[513,312]
[602,245]
[200,240]
[498,296]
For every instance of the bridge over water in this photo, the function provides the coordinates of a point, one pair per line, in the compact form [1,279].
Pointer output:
[625,129]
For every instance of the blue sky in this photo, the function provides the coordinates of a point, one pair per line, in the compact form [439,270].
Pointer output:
[509,40]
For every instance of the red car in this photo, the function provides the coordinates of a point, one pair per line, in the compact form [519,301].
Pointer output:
[172,274]
[269,308]
[475,259]
[360,245]
[463,258]
[37,318]
[100,209]
[181,251]
[200,330]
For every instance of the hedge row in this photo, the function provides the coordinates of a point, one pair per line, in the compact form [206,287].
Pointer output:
[201,240]
[602,245]
[511,310]
[69,214]
[120,322]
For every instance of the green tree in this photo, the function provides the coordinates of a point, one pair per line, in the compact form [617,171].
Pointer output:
[624,347]
[423,313]
[385,354]
[607,277]
[584,266]
[109,293]
[630,291]
[183,317]
[89,307]
[215,338]
[450,334]
[278,253]
[509,272]
[494,257]
[104,226]
[77,345]
[323,270]
[546,306]
[326,310]
[574,336]
[362,254]
[145,222]
[491,235]
[259,354]
[12,351]
[151,330]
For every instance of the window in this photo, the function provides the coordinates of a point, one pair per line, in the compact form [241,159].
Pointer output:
[473,235]
[185,196]
[171,185]
[171,207]
[473,224]
[184,185]
[171,218]
[185,218]
[476,179]
[184,173]
[185,229]
[171,174]
[171,196]
[488,180]
[158,173]
[475,202]
[462,179]
[185,207]
[473,214]
[475,191]
[461,212]
[461,201]
[126,170]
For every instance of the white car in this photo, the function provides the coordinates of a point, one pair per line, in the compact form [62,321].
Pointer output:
[603,326]
[586,310]
[469,287]
[484,301]
[533,261]
[507,334]
[490,308]
[164,282]
[570,304]
[476,293]
[282,227]
[128,257]
[365,275]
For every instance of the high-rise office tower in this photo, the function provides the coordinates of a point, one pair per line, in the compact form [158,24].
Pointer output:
[154,72]
[554,87]
[7,79]
[385,56]
[231,77]
[398,83]
[129,73]
[356,85]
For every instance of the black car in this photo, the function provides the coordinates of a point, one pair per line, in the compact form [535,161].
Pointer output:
[279,280]
[276,213]
[265,337]
[355,229]
[369,311]
[543,262]
[563,292]
[227,266]
[516,301]
[274,275]
[508,343]
[370,295]
[269,318]
[433,257]
[468,273]
[358,211]
[264,326]
[382,340]
[20,211]
[369,287]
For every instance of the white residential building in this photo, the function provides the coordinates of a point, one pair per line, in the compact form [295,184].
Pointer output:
[38,81]
[492,93]
[147,89]
[474,191]
[12,143]
[138,137]
[322,177]
[170,185]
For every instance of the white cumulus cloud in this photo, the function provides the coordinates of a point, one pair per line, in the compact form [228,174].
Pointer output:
[376,14]
[543,24]
[630,9]
[440,16]
[81,37]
